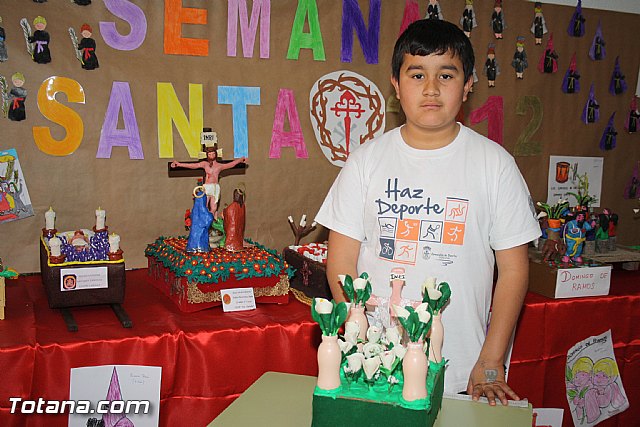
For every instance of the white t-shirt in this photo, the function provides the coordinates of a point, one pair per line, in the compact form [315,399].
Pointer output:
[436,213]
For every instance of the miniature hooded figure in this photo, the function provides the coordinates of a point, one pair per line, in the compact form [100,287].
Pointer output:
[618,84]
[539,26]
[549,60]
[597,51]
[519,61]
[591,111]
[631,123]
[608,140]
[491,68]
[632,190]
[498,23]
[17,97]
[3,47]
[434,11]
[468,21]
[571,81]
[576,25]
[40,38]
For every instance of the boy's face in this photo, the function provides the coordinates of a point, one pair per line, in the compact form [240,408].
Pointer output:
[431,90]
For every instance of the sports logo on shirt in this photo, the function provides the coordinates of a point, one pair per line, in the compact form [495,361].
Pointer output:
[402,239]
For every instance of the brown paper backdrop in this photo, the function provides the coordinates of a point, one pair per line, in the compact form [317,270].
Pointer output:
[142,203]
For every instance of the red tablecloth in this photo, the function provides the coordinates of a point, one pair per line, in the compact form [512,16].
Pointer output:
[549,328]
[208,358]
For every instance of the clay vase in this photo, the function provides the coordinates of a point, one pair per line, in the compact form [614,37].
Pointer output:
[329,358]
[356,314]
[414,367]
[437,337]
[554,234]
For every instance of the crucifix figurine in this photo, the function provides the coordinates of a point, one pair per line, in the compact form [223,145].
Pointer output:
[212,168]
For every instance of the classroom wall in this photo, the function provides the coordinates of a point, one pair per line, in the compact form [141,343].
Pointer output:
[143,202]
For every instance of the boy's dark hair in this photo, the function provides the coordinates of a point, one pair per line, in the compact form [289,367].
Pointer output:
[433,36]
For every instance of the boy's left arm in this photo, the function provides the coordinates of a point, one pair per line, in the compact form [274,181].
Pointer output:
[511,288]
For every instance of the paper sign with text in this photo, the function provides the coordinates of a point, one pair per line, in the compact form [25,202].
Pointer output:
[593,381]
[583,282]
[238,299]
[74,279]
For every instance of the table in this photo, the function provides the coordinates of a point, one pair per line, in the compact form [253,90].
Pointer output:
[209,358]
[285,400]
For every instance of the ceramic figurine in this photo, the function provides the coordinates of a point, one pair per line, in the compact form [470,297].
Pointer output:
[497,20]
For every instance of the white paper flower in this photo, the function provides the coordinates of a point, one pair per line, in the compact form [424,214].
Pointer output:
[387,358]
[355,361]
[429,283]
[400,351]
[374,333]
[392,335]
[434,294]
[323,306]
[345,346]
[371,366]
[372,349]
[359,284]
[341,278]
[400,311]
[351,331]
[423,312]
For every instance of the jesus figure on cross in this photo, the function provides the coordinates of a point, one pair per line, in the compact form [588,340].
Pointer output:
[212,169]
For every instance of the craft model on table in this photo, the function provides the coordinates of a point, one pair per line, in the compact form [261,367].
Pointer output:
[82,267]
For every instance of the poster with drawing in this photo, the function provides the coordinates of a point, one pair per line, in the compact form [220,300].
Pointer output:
[575,179]
[115,395]
[593,382]
[14,198]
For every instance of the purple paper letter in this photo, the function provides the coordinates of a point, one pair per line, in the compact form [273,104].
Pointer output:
[352,20]
[110,135]
[136,19]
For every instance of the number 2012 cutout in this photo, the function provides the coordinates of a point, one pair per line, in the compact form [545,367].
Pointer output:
[525,145]
[492,111]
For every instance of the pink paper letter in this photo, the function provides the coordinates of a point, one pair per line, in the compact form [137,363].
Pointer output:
[238,11]
[279,137]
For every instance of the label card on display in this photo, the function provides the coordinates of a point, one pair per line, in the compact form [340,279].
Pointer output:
[238,299]
[74,279]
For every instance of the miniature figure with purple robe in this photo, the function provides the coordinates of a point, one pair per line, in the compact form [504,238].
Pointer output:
[576,25]
[591,111]
[618,84]
[608,140]
[597,51]
[571,81]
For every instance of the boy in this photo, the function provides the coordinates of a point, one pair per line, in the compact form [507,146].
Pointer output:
[437,199]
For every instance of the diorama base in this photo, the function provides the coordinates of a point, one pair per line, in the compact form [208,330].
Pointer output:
[192,296]
[112,293]
[345,409]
